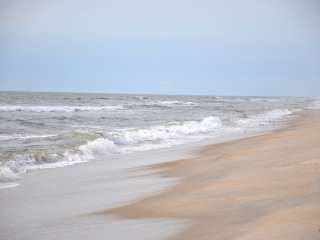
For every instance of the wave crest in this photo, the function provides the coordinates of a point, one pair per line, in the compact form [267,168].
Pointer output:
[158,134]
[263,119]
[7,175]
[16,108]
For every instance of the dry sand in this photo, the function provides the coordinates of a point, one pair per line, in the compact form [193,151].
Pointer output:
[265,187]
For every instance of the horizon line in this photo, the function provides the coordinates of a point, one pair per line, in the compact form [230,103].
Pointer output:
[156,94]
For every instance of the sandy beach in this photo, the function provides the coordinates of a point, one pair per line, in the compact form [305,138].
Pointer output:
[263,187]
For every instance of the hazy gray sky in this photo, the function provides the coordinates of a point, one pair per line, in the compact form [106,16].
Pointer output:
[232,47]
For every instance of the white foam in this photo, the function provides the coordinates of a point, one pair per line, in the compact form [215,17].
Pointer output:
[140,97]
[171,103]
[263,119]
[7,175]
[315,105]
[271,100]
[4,137]
[175,102]
[8,185]
[136,140]
[99,146]
[17,108]
[11,170]
[158,134]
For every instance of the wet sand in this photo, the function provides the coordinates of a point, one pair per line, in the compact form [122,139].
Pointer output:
[263,187]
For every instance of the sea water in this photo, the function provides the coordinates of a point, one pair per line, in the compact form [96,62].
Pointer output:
[48,130]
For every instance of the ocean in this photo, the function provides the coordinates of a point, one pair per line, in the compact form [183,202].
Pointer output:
[48,130]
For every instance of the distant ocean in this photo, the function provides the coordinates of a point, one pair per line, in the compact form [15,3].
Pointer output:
[47,130]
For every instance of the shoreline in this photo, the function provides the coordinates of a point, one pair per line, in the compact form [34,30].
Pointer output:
[261,187]
[168,154]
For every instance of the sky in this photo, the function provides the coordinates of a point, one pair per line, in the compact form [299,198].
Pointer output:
[198,47]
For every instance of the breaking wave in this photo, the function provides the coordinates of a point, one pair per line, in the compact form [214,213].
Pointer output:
[263,119]
[121,141]
[12,169]
[4,137]
[161,104]
[174,102]
[173,130]
[134,139]
[17,108]
[314,105]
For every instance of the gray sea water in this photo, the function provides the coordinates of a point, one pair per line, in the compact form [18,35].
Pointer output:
[45,130]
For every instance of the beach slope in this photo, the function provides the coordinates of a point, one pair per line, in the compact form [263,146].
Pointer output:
[264,187]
